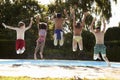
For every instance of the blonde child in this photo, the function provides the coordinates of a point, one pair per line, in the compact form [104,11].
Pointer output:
[20,42]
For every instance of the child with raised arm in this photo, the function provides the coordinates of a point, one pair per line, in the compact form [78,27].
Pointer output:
[99,36]
[20,42]
[58,31]
[77,31]
[42,32]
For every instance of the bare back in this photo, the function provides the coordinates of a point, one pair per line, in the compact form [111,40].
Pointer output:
[59,23]
[77,31]
[99,37]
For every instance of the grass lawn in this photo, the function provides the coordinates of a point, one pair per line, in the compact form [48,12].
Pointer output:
[29,78]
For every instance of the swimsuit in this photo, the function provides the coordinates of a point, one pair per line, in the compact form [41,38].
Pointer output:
[42,34]
[20,43]
[100,48]
[58,33]
[77,38]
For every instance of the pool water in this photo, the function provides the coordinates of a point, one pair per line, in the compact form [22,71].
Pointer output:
[57,62]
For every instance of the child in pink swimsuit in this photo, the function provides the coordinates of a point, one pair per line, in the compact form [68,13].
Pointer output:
[42,32]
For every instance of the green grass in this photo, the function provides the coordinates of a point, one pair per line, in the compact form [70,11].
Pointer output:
[29,78]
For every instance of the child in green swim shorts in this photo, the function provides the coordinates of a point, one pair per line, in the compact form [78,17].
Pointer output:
[99,36]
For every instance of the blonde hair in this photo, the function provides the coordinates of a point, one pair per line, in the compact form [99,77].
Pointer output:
[21,23]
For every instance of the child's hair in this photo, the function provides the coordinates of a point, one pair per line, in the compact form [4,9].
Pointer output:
[21,23]
[98,23]
[59,15]
[98,28]
[42,25]
[78,25]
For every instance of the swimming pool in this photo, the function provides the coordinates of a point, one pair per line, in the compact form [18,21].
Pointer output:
[57,62]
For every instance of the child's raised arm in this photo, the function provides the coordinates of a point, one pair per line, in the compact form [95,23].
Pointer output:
[9,27]
[38,20]
[30,25]
[91,26]
[73,15]
[83,21]
[67,17]
[104,25]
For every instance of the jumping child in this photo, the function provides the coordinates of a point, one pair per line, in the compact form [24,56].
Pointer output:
[58,31]
[77,31]
[99,36]
[42,32]
[20,42]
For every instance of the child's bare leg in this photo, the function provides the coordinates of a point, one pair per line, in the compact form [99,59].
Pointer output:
[36,50]
[22,50]
[96,56]
[35,57]
[74,45]
[62,39]
[41,50]
[18,51]
[80,45]
[41,55]
[55,40]
[106,59]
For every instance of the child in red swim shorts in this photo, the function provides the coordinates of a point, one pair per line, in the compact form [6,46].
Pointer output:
[20,42]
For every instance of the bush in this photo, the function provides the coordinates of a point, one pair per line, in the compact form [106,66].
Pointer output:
[113,50]
[7,49]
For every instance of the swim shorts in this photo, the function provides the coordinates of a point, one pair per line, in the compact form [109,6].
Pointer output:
[20,43]
[100,48]
[77,38]
[58,32]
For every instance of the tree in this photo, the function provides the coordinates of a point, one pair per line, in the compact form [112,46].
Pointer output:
[13,12]
[112,41]
[112,34]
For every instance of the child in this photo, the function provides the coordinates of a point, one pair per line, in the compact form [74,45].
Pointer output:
[58,32]
[99,36]
[20,42]
[77,30]
[42,32]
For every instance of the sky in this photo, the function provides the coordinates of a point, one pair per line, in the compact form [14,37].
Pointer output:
[114,20]
[45,2]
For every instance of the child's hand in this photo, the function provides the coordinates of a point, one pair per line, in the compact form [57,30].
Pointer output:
[31,18]
[103,19]
[72,10]
[37,16]
[65,12]
[86,13]
[4,25]
[95,18]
